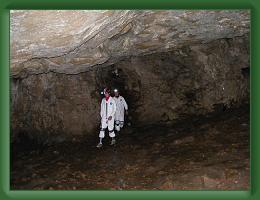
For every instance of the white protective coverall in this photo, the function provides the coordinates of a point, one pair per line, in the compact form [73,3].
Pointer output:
[121,106]
[108,108]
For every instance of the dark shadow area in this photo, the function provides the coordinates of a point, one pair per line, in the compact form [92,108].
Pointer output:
[126,81]
[199,153]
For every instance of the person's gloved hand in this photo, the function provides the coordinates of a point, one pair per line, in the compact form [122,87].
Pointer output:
[126,112]
[110,117]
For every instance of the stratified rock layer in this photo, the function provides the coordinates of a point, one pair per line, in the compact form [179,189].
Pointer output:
[72,41]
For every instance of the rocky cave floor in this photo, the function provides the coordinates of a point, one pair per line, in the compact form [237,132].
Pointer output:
[202,153]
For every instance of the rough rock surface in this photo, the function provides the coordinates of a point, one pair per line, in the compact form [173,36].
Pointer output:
[71,41]
[217,159]
[168,64]
[159,88]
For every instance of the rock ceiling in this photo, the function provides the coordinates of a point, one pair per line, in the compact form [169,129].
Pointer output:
[69,41]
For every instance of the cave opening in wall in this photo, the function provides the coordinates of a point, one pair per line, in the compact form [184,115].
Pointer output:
[184,74]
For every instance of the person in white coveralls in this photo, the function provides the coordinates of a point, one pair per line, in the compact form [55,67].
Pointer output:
[121,109]
[107,114]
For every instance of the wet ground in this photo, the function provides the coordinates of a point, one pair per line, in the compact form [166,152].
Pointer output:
[202,153]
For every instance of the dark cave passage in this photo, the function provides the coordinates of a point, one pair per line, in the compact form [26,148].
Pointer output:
[126,81]
[160,88]
[186,132]
[185,76]
[186,128]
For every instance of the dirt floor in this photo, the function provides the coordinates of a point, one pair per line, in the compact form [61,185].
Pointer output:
[202,153]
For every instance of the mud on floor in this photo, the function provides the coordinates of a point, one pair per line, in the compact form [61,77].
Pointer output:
[210,153]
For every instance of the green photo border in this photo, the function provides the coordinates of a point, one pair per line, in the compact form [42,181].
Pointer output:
[7,5]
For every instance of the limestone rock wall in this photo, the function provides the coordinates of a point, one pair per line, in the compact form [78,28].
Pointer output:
[159,87]
[194,80]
